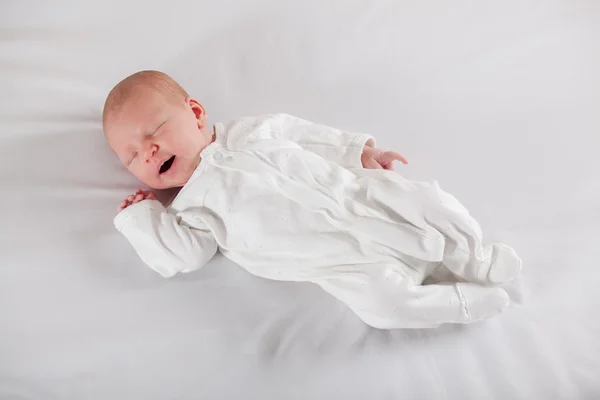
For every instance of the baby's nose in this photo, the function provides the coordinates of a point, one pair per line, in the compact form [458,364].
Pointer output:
[149,155]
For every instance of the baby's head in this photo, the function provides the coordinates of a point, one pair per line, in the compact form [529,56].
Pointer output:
[156,129]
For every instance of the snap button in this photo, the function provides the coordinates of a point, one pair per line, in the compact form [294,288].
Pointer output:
[218,156]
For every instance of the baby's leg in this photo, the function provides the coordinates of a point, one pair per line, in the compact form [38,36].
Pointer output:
[464,253]
[384,298]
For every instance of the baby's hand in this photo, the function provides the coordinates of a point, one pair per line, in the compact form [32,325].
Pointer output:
[373,158]
[136,198]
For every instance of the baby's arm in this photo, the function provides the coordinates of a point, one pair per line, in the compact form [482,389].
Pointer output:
[164,243]
[351,150]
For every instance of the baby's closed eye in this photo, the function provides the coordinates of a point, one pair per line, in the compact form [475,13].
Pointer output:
[132,158]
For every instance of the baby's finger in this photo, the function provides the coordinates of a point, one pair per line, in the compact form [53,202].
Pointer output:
[387,165]
[130,197]
[122,206]
[138,197]
[371,163]
[151,196]
[392,155]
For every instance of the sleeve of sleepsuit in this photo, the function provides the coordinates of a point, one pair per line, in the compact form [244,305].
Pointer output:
[341,147]
[162,242]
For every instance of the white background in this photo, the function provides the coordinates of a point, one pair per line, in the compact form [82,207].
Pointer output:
[497,100]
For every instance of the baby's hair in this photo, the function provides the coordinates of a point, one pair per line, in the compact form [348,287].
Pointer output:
[153,80]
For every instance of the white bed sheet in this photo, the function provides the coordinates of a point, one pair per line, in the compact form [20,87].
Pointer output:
[499,101]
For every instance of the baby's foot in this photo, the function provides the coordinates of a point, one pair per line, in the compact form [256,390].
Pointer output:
[504,263]
[480,302]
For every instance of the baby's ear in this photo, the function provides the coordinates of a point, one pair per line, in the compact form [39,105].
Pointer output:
[198,111]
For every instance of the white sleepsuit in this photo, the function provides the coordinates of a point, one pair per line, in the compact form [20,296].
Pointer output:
[289,200]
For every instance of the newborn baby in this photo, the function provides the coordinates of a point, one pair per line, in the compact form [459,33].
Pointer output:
[290,200]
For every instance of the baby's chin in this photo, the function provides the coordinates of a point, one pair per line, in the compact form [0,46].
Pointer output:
[166,186]
[164,183]
[175,182]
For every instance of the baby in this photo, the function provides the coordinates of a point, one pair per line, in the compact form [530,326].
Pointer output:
[290,200]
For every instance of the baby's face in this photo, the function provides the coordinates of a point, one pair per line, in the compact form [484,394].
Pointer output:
[159,140]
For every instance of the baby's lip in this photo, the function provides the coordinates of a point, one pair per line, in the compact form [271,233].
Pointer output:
[166,163]
[161,160]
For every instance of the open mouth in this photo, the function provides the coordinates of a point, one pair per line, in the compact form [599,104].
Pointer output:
[166,165]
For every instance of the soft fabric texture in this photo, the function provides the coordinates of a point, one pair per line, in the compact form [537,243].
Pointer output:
[288,199]
[496,100]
